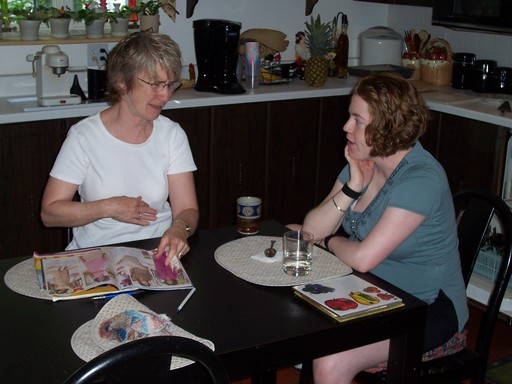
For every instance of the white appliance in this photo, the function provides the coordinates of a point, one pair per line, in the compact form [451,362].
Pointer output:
[381,45]
[53,81]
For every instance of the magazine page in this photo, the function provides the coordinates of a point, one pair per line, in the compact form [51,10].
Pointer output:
[99,271]
[138,268]
[347,297]
[69,273]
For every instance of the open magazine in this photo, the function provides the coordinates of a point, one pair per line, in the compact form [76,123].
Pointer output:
[347,297]
[104,270]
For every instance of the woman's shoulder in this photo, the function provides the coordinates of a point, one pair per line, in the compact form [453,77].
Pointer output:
[419,159]
[87,124]
[164,126]
[166,122]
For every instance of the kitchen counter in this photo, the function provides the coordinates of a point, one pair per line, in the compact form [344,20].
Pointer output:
[442,99]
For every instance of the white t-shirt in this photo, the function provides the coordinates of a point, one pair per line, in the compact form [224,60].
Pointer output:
[103,166]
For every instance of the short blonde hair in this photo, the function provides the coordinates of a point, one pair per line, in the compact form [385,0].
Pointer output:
[141,52]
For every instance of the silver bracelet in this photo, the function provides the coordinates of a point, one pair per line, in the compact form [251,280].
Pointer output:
[337,206]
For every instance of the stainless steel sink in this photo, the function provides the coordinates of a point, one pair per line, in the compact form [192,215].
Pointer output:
[29,104]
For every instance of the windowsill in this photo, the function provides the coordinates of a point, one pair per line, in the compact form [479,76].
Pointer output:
[73,39]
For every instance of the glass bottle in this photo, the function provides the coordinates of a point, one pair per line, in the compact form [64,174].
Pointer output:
[331,53]
[342,49]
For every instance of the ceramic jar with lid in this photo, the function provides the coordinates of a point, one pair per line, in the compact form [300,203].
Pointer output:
[501,80]
[463,64]
[481,79]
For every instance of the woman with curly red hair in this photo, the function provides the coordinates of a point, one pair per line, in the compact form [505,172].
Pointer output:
[394,203]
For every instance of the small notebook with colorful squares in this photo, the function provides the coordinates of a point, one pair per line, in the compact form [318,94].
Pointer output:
[347,297]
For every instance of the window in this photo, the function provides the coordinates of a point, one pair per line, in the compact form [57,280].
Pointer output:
[77,28]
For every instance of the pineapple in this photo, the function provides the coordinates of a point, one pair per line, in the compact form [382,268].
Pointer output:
[318,41]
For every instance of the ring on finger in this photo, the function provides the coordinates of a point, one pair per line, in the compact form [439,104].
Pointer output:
[179,255]
[140,216]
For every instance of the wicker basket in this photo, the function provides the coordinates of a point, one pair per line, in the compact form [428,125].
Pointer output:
[413,64]
[435,71]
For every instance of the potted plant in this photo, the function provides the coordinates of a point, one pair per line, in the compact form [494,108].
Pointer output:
[94,19]
[29,17]
[149,15]
[119,19]
[60,19]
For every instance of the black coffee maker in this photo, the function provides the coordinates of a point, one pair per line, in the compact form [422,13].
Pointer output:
[217,43]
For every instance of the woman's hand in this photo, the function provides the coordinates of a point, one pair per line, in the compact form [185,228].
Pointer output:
[361,172]
[132,210]
[174,243]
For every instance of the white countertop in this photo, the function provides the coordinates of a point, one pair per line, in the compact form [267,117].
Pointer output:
[462,103]
[479,288]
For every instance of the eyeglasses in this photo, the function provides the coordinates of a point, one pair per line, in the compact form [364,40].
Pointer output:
[158,86]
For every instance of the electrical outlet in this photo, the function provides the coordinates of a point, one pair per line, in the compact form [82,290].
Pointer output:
[97,55]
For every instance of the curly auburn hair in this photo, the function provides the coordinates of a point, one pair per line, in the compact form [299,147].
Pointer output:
[141,52]
[398,113]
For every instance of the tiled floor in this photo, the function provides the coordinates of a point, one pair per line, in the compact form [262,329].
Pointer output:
[501,347]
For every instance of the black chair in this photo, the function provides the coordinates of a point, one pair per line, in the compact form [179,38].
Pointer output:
[148,360]
[474,210]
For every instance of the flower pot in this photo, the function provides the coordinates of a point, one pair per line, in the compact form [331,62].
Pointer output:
[119,27]
[150,22]
[96,30]
[60,28]
[29,29]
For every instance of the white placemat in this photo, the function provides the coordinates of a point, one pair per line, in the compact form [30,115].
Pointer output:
[22,279]
[86,342]
[245,259]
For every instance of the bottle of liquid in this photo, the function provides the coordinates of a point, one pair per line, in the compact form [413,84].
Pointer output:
[342,49]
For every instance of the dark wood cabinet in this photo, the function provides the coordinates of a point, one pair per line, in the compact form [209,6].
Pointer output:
[331,144]
[430,139]
[292,158]
[287,152]
[472,153]
[420,3]
[238,159]
[27,153]
[196,122]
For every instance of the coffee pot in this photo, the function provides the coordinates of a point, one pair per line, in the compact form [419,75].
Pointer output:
[216,43]
[53,80]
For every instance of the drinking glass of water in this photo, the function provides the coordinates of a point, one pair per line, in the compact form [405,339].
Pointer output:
[297,253]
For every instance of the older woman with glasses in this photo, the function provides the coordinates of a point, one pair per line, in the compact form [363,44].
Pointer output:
[131,166]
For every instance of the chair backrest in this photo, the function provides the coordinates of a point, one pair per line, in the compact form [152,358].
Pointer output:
[148,360]
[474,214]
[475,209]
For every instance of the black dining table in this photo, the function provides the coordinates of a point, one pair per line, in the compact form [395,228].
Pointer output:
[256,329]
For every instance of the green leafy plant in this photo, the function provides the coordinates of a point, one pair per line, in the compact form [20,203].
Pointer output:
[89,13]
[25,10]
[151,7]
[124,12]
[61,13]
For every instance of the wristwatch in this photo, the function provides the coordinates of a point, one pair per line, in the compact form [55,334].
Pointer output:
[188,228]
